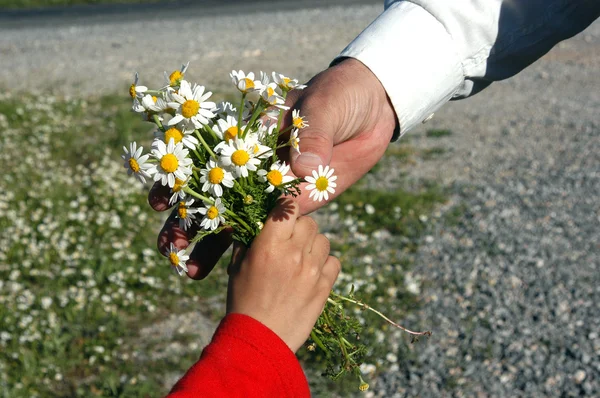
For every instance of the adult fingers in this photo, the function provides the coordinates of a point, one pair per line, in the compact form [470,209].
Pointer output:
[207,252]
[304,233]
[330,272]
[158,197]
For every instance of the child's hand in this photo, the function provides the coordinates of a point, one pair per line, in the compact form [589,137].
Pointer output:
[284,279]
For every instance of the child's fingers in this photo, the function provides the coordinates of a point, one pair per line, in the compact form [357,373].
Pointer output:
[281,220]
[304,233]
[329,273]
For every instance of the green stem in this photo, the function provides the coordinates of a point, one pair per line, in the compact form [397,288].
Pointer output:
[318,341]
[197,195]
[239,220]
[255,115]
[158,122]
[388,320]
[212,133]
[241,112]
[285,130]
[205,145]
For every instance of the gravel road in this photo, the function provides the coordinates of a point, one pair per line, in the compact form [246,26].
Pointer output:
[513,291]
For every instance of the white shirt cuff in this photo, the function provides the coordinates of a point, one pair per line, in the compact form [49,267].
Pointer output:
[414,58]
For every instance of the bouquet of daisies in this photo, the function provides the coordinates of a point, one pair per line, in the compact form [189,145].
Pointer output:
[220,162]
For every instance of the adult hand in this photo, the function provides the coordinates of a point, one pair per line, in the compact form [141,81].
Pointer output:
[284,279]
[351,122]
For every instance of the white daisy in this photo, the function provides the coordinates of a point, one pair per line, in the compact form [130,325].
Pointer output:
[245,82]
[185,213]
[175,78]
[297,120]
[321,183]
[213,176]
[191,106]
[136,91]
[273,98]
[285,83]
[212,215]
[136,164]
[295,140]
[178,194]
[226,108]
[149,103]
[238,155]
[184,136]
[177,258]
[254,142]
[173,162]
[276,177]
[226,129]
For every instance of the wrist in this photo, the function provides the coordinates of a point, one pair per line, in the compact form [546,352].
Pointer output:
[374,101]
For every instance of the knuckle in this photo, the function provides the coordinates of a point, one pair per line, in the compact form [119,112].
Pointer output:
[308,224]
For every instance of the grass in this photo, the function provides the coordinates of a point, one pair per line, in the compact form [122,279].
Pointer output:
[80,275]
[438,133]
[25,4]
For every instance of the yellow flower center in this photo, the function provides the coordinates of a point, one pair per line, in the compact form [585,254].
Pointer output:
[286,80]
[174,133]
[182,210]
[178,185]
[255,149]
[231,133]
[174,259]
[216,175]
[212,213]
[190,108]
[363,386]
[248,199]
[169,163]
[295,142]
[154,99]
[132,91]
[298,122]
[274,177]
[134,165]
[270,91]
[240,157]
[175,78]
[322,183]
[248,83]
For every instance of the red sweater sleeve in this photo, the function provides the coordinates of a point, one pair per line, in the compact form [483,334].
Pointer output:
[244,359]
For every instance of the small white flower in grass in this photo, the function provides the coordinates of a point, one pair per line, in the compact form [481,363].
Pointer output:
[245,82]
[238,155]
[191,106]
[285,83]
[321,183]
[276,176]
[295,140]
[213,215]
[227,129]
[175,78]
[185,213]
[173,162]
[136,164]
[177,191]
[136,91]
[178,258]
[297,120]
[213,176]
[182,135]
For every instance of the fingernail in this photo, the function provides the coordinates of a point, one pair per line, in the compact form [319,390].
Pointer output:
[309,160]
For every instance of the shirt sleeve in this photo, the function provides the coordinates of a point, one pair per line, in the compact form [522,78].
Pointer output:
[244,359]
[427,52]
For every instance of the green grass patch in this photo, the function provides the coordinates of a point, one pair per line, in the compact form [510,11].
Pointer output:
[438,133]
[80,274]
[432,153]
